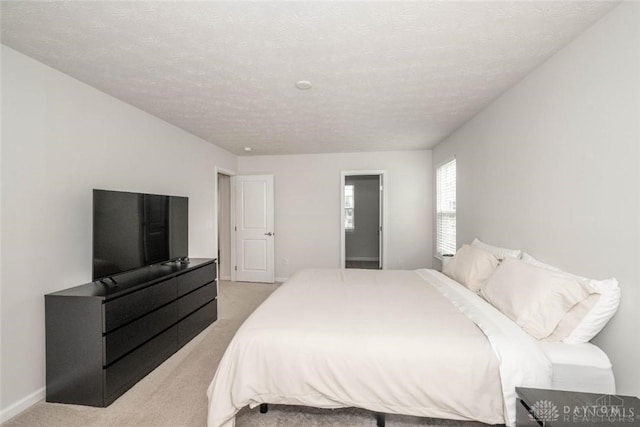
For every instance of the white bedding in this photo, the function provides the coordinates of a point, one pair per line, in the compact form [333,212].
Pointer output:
[579,367]
[522,361]
[387,341]
[575,367]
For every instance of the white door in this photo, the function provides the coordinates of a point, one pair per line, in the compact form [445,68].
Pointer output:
[254,228]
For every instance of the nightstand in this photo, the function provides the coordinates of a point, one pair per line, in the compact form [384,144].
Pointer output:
[556,408]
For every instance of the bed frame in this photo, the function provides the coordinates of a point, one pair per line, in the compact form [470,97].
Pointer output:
[380,420]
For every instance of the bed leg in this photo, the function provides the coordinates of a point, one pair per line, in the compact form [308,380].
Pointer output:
[264,408]
[379,419]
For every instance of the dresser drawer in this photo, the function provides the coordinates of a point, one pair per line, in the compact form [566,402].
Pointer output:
[135,365]
[123,340]
[193,324]
[196,299]
[131,306]
[195,278]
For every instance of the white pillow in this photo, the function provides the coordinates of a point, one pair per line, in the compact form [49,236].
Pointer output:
[573,318]
[535,298]
[471,267]
[501,253]
[601,312]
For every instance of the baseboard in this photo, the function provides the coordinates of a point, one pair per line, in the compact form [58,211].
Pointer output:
[21,405]
[225,278]
[281,279]
[362,258]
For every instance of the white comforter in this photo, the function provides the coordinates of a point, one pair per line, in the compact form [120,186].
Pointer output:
[388,341]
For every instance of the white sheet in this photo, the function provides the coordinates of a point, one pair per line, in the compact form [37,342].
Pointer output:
[377,340]
[579,367]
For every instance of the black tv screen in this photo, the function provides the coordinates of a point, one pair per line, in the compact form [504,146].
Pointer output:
[133,230]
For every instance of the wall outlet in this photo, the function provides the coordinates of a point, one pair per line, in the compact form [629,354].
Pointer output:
[285,261]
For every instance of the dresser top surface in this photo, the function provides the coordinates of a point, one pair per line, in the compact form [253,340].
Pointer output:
[131,281]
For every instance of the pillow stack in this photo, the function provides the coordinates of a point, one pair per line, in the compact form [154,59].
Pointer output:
[534,298]
[548,303]
[589,318]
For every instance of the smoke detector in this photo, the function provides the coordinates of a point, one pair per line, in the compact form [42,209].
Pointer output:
[303,85]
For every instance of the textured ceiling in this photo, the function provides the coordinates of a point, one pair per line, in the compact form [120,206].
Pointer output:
[386,75]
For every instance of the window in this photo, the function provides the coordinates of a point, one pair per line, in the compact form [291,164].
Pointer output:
[446,208]
[349,206]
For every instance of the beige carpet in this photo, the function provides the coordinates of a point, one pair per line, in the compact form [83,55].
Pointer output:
[174,395]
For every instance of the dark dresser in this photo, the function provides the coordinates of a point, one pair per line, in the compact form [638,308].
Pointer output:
[102,338]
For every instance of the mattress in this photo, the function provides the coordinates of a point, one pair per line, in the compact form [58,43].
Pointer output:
[413,343]
[579,367]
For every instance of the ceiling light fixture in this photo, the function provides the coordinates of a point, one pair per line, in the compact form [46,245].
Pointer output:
[303,85]
[248,149]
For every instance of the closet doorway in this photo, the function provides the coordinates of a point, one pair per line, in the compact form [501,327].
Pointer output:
[224,225]
[362,212]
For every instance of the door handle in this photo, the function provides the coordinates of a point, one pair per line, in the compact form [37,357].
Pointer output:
[269,234]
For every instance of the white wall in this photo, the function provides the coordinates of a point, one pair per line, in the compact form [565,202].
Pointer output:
[551,167]
[60,139]
[307,206]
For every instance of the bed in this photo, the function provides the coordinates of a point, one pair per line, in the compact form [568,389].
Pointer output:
[391,341]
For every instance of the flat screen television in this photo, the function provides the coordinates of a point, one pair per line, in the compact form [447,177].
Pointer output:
[134,230]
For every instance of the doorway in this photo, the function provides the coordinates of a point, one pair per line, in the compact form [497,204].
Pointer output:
[224,226]
[362,220]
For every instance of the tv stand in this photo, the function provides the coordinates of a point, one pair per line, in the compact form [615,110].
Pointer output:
[101,338]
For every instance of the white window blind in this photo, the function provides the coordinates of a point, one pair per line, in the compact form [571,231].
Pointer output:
[446,208]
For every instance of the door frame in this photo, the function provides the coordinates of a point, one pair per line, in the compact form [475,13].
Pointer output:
[383,212]
[232,256]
